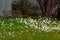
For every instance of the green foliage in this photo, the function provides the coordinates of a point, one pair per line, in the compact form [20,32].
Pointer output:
[14,7]
[20,28]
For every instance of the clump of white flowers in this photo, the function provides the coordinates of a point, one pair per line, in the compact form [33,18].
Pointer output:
[41,24]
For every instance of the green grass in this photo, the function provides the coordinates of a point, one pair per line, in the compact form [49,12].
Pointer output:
[20,28]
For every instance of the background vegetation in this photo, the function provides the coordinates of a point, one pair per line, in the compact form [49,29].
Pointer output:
[26,8]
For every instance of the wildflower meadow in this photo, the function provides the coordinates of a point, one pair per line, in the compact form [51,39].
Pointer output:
[20,28]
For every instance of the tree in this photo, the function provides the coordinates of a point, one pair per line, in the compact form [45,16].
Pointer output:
[48,7]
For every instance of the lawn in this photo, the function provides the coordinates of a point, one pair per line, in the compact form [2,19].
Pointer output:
[20,28]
